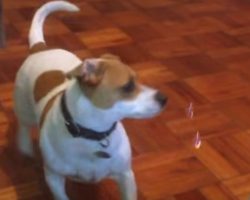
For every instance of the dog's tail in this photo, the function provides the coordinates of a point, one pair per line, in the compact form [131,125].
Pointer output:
[36,29]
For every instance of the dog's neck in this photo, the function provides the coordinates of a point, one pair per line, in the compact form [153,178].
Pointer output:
[84,112]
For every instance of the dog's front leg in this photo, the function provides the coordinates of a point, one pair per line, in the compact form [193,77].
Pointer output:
[56,183]
[127,185]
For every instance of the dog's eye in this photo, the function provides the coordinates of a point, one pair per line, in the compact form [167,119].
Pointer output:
[129,86]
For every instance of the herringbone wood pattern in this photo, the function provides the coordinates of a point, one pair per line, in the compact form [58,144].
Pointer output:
[194,50]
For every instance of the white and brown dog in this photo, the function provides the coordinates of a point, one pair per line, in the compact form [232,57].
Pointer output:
[78,106]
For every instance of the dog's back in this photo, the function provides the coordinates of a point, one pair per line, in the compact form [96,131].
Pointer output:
[41,60]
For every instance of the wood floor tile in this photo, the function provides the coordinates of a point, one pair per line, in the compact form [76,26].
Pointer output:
[128,18]
[85,6]
[67,41]
[239,185]
[161,49]
[212,192]
[189,195]
[50,28]
[243,196]
[216,162]
[158,158]
[22,191]
[240,16]
[185,174]
[241,69]
[104,38]
[152,3]
[3,118]
[201,25]
[3,129]
[201,8]
[26,3]
[165,14]
[228,146]
[237,107]
[229,54]
[108,6]
[149,32]
[216,40]
[219,124]
[6,91]
[150,71]
[191,50]
[241,30]
[184,94]
[144,140]
[129,53]
[223,82]
[194,65]
[81,23]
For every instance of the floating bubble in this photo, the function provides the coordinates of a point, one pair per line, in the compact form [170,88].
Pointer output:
[190,111]
[197,140]
[190,115]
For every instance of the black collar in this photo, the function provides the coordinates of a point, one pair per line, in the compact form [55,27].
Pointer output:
[76,130]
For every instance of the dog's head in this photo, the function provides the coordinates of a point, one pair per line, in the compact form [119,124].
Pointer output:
[113,86]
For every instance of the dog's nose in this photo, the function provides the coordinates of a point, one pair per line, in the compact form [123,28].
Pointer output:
[160,98]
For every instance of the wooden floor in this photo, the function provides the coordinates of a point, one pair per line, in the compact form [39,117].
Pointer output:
[194,50]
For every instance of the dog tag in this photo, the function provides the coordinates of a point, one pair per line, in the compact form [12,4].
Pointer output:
[105,143]
[102,154]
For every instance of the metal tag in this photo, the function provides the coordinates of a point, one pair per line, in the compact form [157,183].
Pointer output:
[105,143]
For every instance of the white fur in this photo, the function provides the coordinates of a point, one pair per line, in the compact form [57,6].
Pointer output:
[36,32]
[65,156]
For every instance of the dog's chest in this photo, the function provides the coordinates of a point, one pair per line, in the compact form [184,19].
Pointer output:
[77,158]
[91,171]
[89,167]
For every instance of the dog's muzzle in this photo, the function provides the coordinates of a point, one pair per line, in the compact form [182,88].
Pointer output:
[161,98]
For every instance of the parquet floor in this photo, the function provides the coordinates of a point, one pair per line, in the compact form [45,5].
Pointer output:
[194,50]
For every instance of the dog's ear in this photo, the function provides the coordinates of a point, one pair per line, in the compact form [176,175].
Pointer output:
[89,72]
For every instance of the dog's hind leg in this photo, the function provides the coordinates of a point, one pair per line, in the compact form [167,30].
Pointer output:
[127,185]
[24,140]
[26,118]
[56,183]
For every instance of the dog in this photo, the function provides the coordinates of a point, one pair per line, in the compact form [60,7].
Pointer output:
[78,106]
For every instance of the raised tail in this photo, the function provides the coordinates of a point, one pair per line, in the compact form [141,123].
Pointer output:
[36,29]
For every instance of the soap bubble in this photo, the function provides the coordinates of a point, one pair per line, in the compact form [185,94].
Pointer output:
[190,115]
[197,140]
[190,111]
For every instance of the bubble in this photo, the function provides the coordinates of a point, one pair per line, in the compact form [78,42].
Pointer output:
[197,140]
[190,111]
[190,115]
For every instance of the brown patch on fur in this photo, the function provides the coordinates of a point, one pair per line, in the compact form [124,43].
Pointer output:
[47,108]
[46,82]
[38,47]
[109,90]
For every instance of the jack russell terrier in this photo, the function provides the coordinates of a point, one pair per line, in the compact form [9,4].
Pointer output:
[78,106]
